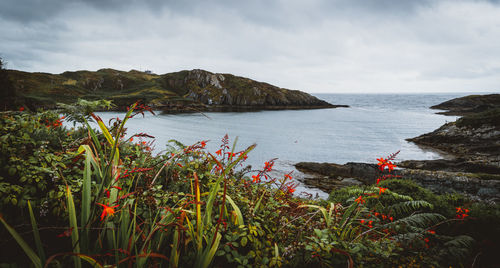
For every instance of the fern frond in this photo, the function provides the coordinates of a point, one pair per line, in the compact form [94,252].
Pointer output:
[409,206]
[421,220]
[457,248]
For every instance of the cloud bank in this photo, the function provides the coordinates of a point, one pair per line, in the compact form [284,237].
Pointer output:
[314,46]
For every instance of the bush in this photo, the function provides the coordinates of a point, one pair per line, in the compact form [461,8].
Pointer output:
[120,205]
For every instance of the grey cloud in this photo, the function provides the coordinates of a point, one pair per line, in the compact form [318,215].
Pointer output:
[316,45]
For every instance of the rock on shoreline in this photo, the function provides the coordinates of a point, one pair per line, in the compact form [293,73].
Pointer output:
[329,176]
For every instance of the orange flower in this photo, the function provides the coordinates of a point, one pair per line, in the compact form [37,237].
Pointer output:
[390,166]
[360,200]
[107,210]
[219,152]
[381,161]
[256,178]
[381,190]
[268,166]
[203,144]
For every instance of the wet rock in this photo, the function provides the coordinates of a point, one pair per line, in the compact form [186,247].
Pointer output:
[329,176]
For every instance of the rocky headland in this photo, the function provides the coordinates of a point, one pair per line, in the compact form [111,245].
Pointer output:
[184,91]
[473,142]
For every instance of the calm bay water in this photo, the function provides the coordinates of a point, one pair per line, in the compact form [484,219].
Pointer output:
[374,126]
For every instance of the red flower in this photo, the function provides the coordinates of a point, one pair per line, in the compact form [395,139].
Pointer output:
[381,162]
[107,210]
[66,233]
[256,178]
[219,152]
[360,200]
[203,144]
[381,190]
[21,109]
[431,231]
[268,166]
[390,166]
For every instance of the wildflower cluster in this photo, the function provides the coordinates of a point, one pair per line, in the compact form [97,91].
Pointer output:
[387,162]
[462,213]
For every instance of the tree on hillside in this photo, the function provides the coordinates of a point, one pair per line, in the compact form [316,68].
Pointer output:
[7,91]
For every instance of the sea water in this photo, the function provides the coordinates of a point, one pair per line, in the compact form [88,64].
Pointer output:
[374,125]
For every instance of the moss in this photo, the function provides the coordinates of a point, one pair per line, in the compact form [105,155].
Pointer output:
[485,176]
[488,117]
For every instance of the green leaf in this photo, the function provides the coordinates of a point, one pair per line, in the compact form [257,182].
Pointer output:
[36,234]
[74,226]
[29,252]
[239,216]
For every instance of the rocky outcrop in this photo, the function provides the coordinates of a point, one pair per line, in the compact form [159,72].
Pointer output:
[222,91]
[329,176]
[469,104]
[474,139]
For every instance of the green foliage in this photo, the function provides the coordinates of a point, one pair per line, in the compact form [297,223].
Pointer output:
[120,205]
[488,117]
[35,156]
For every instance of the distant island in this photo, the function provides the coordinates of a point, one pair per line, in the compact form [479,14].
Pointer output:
[195,90]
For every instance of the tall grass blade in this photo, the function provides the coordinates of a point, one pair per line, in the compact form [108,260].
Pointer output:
[209,253]
[31,254]
[86,199]
[198,211]
[36,234]
[237,210]
[74,226]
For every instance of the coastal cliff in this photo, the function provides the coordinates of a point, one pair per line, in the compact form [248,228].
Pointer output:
[196,90]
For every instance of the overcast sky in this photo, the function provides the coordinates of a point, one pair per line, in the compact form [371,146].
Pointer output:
[311,45]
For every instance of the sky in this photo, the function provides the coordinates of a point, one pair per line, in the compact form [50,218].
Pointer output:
[317,46]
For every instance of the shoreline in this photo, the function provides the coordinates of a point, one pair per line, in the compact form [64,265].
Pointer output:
[469,163]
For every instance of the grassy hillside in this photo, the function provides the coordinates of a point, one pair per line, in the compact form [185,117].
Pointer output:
[194,88]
